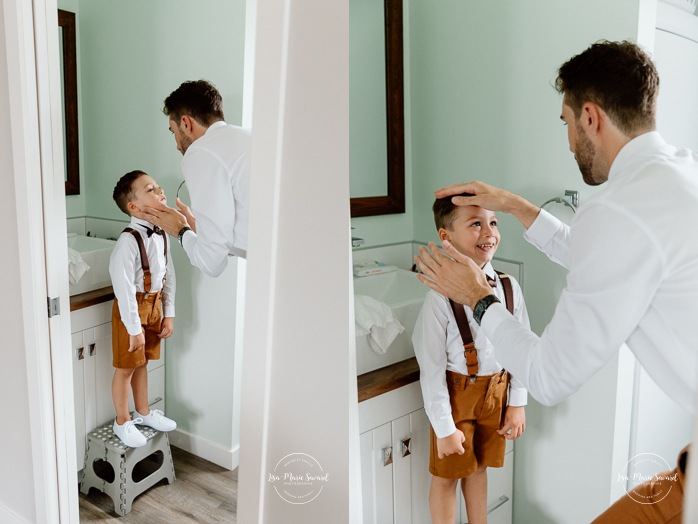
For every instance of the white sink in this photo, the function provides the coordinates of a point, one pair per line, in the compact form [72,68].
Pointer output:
[404,294]
[95,252]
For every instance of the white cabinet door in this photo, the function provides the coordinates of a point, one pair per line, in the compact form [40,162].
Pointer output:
[420,478]
[395,471]
[500,490]
[104,373]
[77,352]
[377,474]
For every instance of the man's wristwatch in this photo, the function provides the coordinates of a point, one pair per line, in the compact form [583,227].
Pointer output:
[482,306]
[181,233]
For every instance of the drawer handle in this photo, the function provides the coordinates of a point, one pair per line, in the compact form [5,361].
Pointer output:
[157,399]
[405,446]
[497,503]
[92,349]
[81,353]
[387,454]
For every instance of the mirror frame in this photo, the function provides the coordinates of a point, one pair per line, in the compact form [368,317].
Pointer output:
[394,201]
[66,20]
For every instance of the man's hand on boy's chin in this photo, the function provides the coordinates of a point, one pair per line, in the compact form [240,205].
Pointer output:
[168,218]
[451,445]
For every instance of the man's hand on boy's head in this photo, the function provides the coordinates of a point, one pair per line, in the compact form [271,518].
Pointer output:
[451,445]
[492,198]
[168,218]
[514,422]
[458,277]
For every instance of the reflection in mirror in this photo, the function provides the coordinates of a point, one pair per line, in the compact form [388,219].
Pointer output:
[377,171]
[69,88]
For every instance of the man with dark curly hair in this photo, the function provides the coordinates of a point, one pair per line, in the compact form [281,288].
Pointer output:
[216,168]
[633,272]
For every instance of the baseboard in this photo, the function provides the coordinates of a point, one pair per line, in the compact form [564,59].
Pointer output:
[7,516]
[227,458]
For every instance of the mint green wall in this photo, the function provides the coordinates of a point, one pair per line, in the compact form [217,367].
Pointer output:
[132,54]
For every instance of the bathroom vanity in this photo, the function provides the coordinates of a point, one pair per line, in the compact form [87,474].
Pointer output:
[91,339]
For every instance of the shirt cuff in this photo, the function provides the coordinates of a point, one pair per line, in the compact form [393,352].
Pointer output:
[168,311]
[543,228]
[134,329]
[188,238]
[494,315]
[444,428]
[517,397]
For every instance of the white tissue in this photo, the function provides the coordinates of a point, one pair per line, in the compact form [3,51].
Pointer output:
[77,267]
[375,319]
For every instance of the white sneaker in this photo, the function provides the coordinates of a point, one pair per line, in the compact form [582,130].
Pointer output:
[130,434]
[157,420]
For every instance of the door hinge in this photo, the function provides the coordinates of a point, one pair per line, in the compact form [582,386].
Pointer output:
[54,306]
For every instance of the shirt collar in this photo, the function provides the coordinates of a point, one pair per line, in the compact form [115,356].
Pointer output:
[140,223]
[637,149]
[489,270]
[215,125]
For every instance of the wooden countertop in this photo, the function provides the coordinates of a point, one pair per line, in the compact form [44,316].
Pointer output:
[370,384]
[386,379]
[91,298]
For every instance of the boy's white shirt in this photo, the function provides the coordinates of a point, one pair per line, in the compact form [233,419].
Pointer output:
[438,347]
[126,273]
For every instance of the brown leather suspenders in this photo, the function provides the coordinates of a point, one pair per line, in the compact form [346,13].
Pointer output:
[145,264]
[465,333]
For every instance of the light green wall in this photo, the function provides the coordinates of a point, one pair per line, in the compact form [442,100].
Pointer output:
[132,54]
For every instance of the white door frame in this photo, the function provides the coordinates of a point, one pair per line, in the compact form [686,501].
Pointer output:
[37,148]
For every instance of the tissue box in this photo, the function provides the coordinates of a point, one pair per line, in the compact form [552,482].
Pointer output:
[363,269]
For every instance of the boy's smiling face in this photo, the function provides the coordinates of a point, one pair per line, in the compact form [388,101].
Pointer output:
[474,233]
[146,193]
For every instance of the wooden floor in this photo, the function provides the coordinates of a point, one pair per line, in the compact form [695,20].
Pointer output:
[203,492]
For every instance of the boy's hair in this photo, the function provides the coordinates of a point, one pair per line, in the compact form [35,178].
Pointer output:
[123,191]
[617,76]
[197,98]
[445,210]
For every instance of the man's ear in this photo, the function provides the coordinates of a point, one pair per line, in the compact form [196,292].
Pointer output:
[592,118]
[186,123]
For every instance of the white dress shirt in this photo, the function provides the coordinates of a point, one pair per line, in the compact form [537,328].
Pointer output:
[216,168]
[633,278]
[438,347]
[126,273]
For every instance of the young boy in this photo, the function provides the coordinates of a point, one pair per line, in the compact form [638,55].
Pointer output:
[465,393]
[143,279]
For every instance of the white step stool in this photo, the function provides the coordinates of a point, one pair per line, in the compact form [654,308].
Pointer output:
[103,445]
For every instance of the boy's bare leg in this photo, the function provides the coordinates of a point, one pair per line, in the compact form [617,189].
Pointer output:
[442,500]
[120,389]
[475,493]
[139,383]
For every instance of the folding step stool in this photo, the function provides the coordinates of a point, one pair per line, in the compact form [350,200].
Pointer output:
[103,445]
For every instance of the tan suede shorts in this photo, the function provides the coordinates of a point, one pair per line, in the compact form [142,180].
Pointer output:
[478,411]
[150,312]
